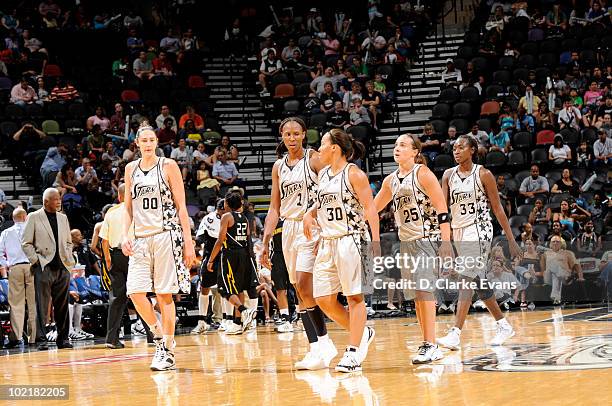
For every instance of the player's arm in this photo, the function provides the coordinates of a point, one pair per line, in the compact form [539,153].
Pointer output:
[490,186]
[175,179]
[384,195]
[127,245]
[227,220]
[433,190]
[315,162]
[95,239]
[361,186]
[273,212]
[445,187]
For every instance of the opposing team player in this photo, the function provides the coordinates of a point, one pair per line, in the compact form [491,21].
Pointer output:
[294,180]
[237,270]
[344,203]
[162,251]
[207,234]
[470,189]
[422,220]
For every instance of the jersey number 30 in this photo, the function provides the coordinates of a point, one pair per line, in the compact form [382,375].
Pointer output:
[334,213]
[149,203]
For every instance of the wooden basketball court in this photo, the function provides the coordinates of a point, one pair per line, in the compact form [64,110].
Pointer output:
[557,357]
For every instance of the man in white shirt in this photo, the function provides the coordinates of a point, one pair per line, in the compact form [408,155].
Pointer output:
[270,66]
[569,116]
[451,76]
[602,150]
[21,280]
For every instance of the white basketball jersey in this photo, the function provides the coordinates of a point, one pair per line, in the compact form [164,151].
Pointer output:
[468,201]
[339,212]
[415,216]
[153,209]
[297,187]
[211,224]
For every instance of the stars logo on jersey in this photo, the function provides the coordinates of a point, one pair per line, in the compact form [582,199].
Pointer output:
[289,189]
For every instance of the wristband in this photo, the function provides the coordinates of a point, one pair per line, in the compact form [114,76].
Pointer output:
[443,218]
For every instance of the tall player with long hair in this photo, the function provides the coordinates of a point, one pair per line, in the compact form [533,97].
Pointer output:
[162,251]
[294,184]
[422,220]
[470,190]
[344,204]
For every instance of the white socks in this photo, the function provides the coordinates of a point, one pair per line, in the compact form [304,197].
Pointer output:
[203,304]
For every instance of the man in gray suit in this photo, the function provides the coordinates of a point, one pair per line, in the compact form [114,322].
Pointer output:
[48,245]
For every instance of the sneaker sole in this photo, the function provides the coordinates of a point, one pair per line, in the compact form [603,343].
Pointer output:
[507,338]
[247,321]
[347,370]
[173,367]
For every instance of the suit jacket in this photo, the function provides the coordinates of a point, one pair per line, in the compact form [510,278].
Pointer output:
[39,243]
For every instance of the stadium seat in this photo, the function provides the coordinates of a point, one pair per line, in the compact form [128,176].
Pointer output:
[494,92]
[495,160]
[589,135]
[539,156]
[462,125]
[5,83]
[590,43]
[284,90]
[517,221]
[291,107]
[527,61]
[51,127]
[569,44]
[545,137]
[279,78]
[524,210]
[502,77]
[52,70]
[554,174]
[520,176]
[129,96]
[571,137]
[440,126]
[34,111]
[484,124]
[442,162]
[549,46]
[360,133]
[549,60]
[466,52]
[14,112]
[522,140]
[318,121]
[507,62]
[301,77]
[385,71]
[472,38]
[470,94]
[516,159]
[559,197]
[449,96]
[195,82]
[462,110]
[8,129]
[588,57]
[480,64]
[440,111]
[312,135]
[520,74]
[490,108]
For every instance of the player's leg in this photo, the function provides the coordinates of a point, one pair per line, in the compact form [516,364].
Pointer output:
[280,276]
[504,328]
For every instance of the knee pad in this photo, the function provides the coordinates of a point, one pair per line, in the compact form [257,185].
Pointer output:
[483,293]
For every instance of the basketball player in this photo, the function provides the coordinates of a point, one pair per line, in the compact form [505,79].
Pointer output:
[162,251]
[344,202]
[294,181]
[470,189]
[421,216]
[208,231]
[237,269]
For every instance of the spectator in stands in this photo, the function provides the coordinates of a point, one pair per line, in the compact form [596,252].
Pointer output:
[65,180]
[529,101]
[231,149]
[566,185]
[359,114]
[288,52]
[199,155]
[207,187]
[85,174]
[318,83]
[129,154]
[135,44]
[526,121]
[110,154]
[132,20]
[556,19]
[96,142]
[569,116]
[142,67]
[53,162]
[533,185]
[430,143]
[557,264]
[372,100]
[163,115]
[557,230]
[225,172]
[338,117]
[10,21]
[189,42]
[100,119]
[170,43]
[355,93]
[504,194]
[270,66]
[105,178]
[592,95]
[41,92]
[162,66]
[583,156]
[120,68]
[63,92]
[28,139]
[559,154]
[451,76]
[182,156]
[602,150]
[332,48]
[588,242]
[545,118]
[166,136]
[23,94]
[117,120]
[359,68]
[576,99]
[605,123]
[451,137]
[328,98]
[189,132]
[501,140]
[538,214]
[190,114]
[482,137]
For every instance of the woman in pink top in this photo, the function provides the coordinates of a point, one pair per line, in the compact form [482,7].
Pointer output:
[591,95]
[100,119]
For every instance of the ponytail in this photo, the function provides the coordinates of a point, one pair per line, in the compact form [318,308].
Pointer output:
[352,149]
[357,150]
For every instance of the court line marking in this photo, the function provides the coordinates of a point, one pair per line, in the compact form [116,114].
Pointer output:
[567,315]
